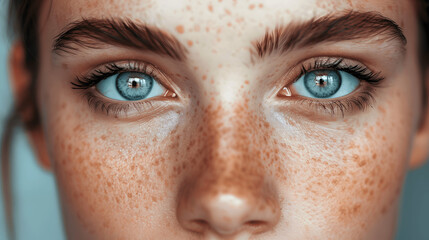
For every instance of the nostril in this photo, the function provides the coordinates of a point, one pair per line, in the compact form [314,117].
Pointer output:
[198,225]
[226,212]
[200,222]
[256,226]
[256,223]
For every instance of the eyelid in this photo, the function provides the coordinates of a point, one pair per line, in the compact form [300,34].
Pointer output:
[98,101]
[361,98]
[102,71]
[322,62]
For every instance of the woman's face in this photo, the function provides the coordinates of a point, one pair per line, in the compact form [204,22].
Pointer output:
[229,119]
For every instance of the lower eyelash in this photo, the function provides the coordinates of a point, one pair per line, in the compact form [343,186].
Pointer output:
[364,98]
[115,109]
[361,102]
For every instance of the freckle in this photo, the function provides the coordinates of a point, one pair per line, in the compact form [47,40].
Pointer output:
[251,6]
[180,29]
[351,130]
[374,156]
[103,137]
[383,210]
[362,163]
[210,8]
[368,135]
[190,43]
[227,12]
[398,93]
[212,81]
[246,82]
[188,7]
[130,195]
[382,109]
[356,208]
[229,24]
[261,5]
[239,20]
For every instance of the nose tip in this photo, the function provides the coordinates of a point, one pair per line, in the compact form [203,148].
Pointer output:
[228,214]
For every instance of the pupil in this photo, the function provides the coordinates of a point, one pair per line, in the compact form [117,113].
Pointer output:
[134,82]
[322,80]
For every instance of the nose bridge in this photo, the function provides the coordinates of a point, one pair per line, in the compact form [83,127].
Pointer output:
[229,188]
[233,160]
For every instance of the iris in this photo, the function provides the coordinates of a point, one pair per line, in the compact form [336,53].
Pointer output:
[134,85]
[130,86]
[322,84]
[325,83]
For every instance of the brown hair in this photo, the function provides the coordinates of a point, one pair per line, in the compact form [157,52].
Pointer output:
[23,21]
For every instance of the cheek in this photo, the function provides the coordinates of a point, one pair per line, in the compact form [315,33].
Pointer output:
[111,175]
[350,175]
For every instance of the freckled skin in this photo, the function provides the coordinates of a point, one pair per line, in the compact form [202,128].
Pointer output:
[307,176]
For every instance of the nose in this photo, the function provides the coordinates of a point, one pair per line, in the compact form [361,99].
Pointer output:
[227,214]
[229,191]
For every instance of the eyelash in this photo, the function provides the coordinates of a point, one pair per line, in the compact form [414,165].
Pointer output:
[344,105]
[110,69]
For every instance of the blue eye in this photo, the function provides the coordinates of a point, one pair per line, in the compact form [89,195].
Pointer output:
[130,86]
[326,84]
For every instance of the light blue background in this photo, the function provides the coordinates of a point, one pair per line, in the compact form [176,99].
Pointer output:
[36,205]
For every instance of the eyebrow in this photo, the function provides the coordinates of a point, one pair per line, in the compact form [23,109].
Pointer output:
[351,25]
[93,33]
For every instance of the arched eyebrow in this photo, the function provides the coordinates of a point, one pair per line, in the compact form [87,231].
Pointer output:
[351,25]
[93,33]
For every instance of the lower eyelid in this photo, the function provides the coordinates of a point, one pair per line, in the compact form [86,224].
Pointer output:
[360,99]
[126,109]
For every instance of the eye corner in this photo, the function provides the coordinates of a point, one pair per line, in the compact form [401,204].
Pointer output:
[284,92]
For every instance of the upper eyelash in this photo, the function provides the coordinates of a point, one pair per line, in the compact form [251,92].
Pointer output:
[362,101]
[114,108]
[85,82]
[359,71]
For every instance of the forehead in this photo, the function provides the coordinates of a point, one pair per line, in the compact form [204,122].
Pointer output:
[235,19]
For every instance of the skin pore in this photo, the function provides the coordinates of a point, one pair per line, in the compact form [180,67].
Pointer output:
[226,153]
